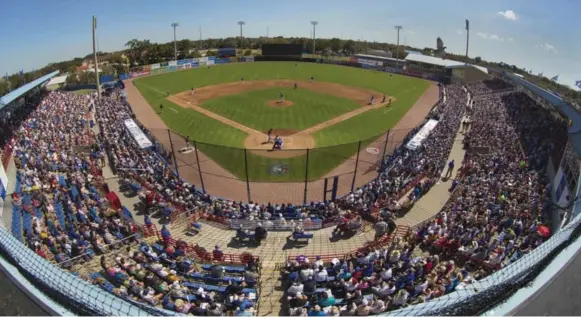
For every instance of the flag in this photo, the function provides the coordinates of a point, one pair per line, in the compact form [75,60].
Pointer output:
[467,24]
[578,83]
[555,78]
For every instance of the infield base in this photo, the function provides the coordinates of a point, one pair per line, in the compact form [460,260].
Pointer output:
[293,144]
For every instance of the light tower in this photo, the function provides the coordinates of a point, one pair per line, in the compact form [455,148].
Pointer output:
[241,23]
[175,44]
[398,28]
[467,41]
[314,23]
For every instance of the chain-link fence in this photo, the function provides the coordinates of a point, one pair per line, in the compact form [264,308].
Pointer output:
[281,176]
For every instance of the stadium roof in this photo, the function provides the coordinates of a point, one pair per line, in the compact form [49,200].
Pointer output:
[447,63]
[17,93]
[57,80]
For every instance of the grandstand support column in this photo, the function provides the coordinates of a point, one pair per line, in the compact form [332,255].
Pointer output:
[306,178]
[173,153]
[356,165]
[95,57]
[246,171]
[199,168]
[384,149]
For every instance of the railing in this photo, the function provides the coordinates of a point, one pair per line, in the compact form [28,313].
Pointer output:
[400,231]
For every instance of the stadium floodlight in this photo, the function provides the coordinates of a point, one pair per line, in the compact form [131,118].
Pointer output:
[241,23]
[314,23]
[398,28]
[467,41]
[175,45]
[95,57]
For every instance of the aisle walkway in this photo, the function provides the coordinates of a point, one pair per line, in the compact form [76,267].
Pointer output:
[431,203]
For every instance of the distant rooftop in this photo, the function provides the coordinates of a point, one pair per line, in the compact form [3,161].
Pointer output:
[447,63]
[57,80]
[377,57]
[20,91]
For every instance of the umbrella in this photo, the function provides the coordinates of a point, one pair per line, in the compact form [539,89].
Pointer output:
[544,231]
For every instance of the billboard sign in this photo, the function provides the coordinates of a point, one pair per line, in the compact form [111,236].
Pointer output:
[369,62]
[195,64]
[155,66]
[171,68]
[181,66]
[187,65]
[184,61]
[212,58]
[202,60]
[172,63]
[3,182]
[222,60]
[202,63]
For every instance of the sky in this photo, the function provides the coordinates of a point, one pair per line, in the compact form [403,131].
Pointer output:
[542,35]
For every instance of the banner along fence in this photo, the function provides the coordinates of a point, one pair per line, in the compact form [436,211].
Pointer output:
[286,176]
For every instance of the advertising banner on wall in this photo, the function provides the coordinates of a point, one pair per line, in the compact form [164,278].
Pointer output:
[155,66]
[180,67]
[222,60]
[560,188]
[209,63]
[124,76]
[164,64]
[172,63]
[353,60]
[369,62]
[201,63]
[146,68]
[184,61]
[195,64]
[202,60]
[212,58]
[187,65]
[172,68]
[157,70]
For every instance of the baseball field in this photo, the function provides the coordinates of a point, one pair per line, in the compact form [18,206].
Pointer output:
[320,107]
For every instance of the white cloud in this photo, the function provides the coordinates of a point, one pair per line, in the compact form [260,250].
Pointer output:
[548,47]
[510,39]
[411,32]
[459,32]
[508,14]
[487,36]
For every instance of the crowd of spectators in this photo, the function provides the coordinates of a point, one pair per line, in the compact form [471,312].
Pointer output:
[489,86]
[406,165]
[58,192]
[167,277]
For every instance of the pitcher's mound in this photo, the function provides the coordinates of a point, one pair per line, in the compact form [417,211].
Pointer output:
[293,145]
[279,104]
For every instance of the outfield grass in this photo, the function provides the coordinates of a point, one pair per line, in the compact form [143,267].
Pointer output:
[203,129]
[309,108]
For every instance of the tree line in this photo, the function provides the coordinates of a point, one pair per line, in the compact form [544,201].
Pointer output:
[144,52]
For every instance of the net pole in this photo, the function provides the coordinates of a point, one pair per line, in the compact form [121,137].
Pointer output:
[173,153]
[306,178]
[384,149]
[199,168]
[356,165]
[246,170]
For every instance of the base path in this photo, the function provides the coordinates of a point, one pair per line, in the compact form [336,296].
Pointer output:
[220,182]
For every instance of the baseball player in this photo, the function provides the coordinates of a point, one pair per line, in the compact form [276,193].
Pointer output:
[160,108]
[312,78]
[296,85]
[192,91]
[383,100]
[281,97]
[269,136]
[372,100]
[242,79]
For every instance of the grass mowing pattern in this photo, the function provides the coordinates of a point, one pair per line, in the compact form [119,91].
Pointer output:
[309,108]
[339,141]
